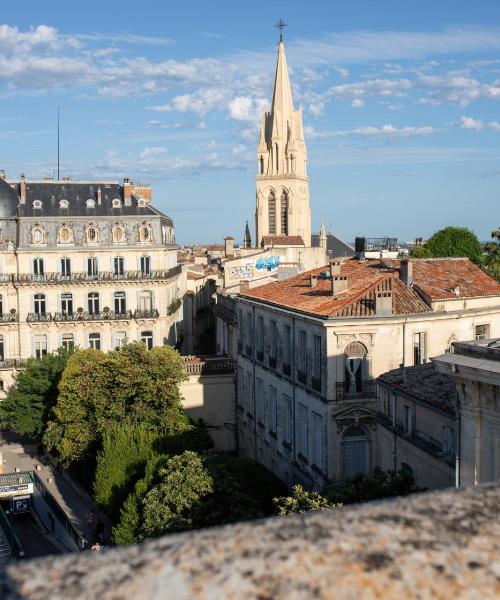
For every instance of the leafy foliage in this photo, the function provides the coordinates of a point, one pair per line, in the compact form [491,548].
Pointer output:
[492,258]
[302,501]
[191,491]
[451,241]
[128,385]
[29,402]
[126,449]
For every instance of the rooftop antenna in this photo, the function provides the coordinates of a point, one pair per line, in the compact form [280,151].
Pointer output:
[281,25]
[58,144]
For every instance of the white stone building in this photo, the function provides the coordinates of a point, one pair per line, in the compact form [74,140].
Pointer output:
[310,348]
[84,263]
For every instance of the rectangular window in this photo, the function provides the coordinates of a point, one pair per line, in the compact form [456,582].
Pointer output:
[120,303]
[145,265]
[419,348]
[241,386]
[93,303]
[272,213]
[67,341]
[287,345]
[92,267]
[248,333]
[260,401]
[147,338]
[65,268]
[40,346]
[482,332]
[303,431]
[391,408]
[39,305]
[2,350]
[260,338]
[118,266]
[119,339]
[1,304]
[407,419]
[303,351]
[240,329]
[95,341]
[273,410]
[38,268]
[248,390]
[318,440]
[448,441]
[288,415]
[317,363]
[67,304]
[273,340]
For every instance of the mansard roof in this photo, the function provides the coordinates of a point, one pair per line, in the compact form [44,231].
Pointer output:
[432,279]
[8,200]
[50,193]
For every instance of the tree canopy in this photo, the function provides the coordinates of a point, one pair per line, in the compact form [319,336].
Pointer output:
[451,241]
[303,501]
[128,385]
[492,258]
[31,399]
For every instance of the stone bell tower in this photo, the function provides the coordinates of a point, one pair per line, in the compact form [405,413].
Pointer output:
[282,197]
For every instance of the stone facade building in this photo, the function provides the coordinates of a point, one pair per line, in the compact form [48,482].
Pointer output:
[84,263]
[310,348]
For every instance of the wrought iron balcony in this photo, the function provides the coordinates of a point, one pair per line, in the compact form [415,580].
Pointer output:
[39,317]
[8,317]
[146,314]
[365,389]
[12,363]
[103,276]
[108,315]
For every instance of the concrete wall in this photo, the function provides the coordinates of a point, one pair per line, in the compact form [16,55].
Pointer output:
[212,398]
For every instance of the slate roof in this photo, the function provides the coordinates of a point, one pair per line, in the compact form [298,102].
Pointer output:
[77,193]
[425,384]
[334,245]
[366,277]
[8,200]
[282,240]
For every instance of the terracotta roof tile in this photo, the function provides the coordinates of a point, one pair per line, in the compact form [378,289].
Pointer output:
[282,240]
[436,278]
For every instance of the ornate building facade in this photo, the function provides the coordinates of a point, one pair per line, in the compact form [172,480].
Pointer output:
[282,197]
[84,263]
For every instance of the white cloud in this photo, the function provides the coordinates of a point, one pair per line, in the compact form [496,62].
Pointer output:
[357,103]
[386,131]
[244,108]
[151,151]
[470,123]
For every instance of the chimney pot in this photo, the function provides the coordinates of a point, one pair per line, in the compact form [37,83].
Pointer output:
[406,271]
[314,281]
[383,303]
[339,284]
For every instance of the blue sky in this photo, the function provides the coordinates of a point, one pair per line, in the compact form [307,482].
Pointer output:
[401,106]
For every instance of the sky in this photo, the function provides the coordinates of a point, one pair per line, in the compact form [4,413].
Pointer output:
[401,106]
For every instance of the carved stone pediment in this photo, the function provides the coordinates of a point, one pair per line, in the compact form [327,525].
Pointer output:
[354,415]
[344,339]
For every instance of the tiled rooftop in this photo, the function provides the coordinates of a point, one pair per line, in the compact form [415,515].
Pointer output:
[425,384]
[282,240]
[434,278]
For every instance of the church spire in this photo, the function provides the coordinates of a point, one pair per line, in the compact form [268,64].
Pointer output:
[282,93]
[247,240]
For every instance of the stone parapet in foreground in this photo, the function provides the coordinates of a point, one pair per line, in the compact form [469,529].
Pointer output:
[434,545]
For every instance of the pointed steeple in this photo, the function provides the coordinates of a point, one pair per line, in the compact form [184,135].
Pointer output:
[247,240]
[282,92]
[322,236]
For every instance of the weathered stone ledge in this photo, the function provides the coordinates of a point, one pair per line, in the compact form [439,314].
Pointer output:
[434,545]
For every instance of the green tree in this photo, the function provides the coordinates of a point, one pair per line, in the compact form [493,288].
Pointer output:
[128,385]
[30,401]
[492,258]
[303,501]
[454,241]
[420,252]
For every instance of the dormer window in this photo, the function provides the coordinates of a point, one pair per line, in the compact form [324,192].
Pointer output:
[63,204]
[92,234]
[145,233]
[37,204]
[91,203]
[141,202]
[116,203]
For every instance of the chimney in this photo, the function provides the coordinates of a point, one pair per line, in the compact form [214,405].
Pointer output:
[99,196]
[22,188]
[406,271]
[229,246]
[127,192]
[339,284]
[335,268]
[314,281]
[383,303]
[244,285]
[2,174]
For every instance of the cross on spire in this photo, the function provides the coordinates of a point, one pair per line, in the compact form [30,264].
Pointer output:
[281,25]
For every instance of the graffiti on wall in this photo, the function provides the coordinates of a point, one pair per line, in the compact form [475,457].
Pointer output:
[267,264]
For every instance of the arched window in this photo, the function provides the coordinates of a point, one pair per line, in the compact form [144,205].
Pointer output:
[37,204]
[277,158]
[65,235]
[261,161]
[354,452]
[37,235]
[116,203]
[355,369]
[92,235]
[144,233]
[284,212]
[118,234]
[91,203]
[2,350]
[63,204]
[272,213]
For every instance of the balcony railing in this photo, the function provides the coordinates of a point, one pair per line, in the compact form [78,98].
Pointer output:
[12,363]
[79,277]
[108,315]
[366,389]
[39,317]
[209,366]
[146,314]
[8,317]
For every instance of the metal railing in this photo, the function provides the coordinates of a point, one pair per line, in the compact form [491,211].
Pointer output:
[210,366]
[105,315]
[83,277]
[8,317]
[146,314]
[39,317]
[12,363]
[365,389]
